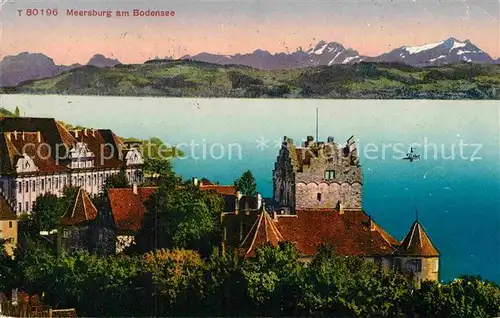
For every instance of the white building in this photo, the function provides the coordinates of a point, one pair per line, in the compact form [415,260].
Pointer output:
[39,155]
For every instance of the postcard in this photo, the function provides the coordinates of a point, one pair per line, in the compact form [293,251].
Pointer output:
[250,158]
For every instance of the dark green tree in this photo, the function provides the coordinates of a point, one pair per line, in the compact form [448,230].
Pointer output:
[180,215]
[118,180]
[246,184]
[47,211]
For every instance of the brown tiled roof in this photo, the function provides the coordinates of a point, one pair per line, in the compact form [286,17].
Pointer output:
[263,231]
[205,181]
[351,233]
[417,243]
[81,211]
[6,212]
[35,146]
[103,143]
[128,208]
[221,189]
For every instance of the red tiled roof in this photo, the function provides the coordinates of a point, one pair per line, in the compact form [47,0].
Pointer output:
[221,189]
[417,243]
[263,231]
[81,211]
[351,233]
[128,208]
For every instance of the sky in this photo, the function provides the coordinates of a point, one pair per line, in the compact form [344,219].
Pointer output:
[371,27]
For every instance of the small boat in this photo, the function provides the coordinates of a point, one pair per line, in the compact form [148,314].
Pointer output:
[411,156]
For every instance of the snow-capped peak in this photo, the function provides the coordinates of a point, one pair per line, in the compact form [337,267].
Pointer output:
[420,48]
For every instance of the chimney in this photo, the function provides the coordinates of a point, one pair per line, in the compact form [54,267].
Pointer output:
[195,181]
[15,135]
[259,201]
[237,202]
[38,136]
[76,133]
[341,210]
[275,216]
[8,136]
[93,132]
[372,224]
[85,131]
[134,188]
[22,135]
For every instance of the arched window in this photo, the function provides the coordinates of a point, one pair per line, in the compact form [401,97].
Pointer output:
[318,196]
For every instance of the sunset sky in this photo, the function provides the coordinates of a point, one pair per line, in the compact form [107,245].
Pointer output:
[228,27]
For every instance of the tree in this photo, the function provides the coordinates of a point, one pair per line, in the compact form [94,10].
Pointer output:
[17,112]
[118,180]
[180,215]
[246,184]
[47,211]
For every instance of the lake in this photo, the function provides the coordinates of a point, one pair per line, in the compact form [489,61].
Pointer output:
[455,186]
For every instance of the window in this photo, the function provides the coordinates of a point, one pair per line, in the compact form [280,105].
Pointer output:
[42,184]
[19,207]
[89,181]
[33,185]
[20,186]
[27,206]
[329,174]
[414,265]
[49,184]
[318,196]
[65,233]
[95,179]
[27,186]
[10,224]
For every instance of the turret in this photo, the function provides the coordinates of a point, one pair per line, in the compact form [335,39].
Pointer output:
[417,255]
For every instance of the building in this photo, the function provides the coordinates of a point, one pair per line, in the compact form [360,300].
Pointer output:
[39,155]
[317,199]
[127,206]
[127,210]
[317,175]
[8,226]
[82,227]
[418,255]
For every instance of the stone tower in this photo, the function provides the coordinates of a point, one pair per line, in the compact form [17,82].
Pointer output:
[318,175]
[417,255]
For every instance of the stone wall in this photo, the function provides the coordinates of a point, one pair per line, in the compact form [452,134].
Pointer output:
[429,269]
[328,195]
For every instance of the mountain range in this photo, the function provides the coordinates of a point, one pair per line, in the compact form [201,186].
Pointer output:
[28,66]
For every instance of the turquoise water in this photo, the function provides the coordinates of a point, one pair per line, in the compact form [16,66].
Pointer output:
[457,198]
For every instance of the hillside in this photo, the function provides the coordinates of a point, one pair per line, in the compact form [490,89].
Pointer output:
[199,79]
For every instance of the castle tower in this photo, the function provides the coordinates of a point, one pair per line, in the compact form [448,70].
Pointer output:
[417,255]
[318,175]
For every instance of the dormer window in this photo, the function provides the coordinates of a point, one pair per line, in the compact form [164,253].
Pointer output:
[329,175]
[81,156]
[134,157]
[26,164]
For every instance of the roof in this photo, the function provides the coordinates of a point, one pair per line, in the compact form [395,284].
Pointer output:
[351,233]
[263,231]
[102,143]
[127,207]
[221,189]
[82,210]
[417,243]
[6,213]
[32,144]
[16,132]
